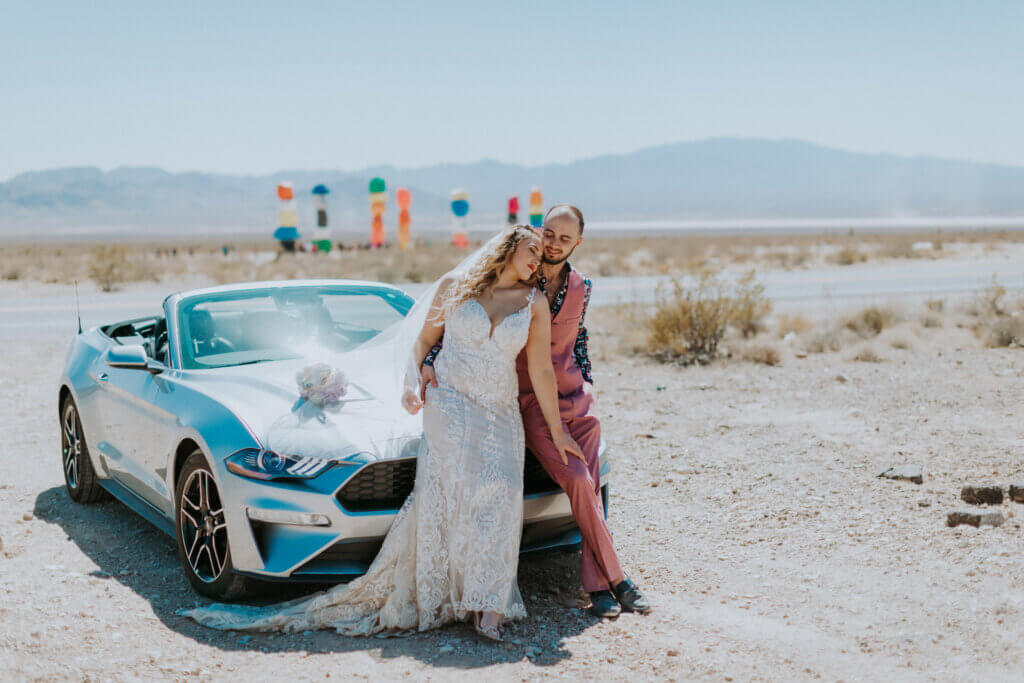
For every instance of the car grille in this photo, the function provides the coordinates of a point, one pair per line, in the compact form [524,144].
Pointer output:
[379,486]
[385,485]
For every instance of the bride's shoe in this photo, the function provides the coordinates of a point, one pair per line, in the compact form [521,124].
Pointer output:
[491,632]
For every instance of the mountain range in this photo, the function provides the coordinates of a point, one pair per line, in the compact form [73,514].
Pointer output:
[718,178]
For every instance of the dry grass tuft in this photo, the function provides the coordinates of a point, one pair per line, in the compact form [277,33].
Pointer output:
[867,355]
[931,321]
[688,323]
[796,323]
[765,354]
[900,344]
[847,256]
[987,302]
[824,341]
[871,321]
[1005,331]
[935,305]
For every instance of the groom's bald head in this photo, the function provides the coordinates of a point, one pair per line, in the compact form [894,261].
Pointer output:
[565,212]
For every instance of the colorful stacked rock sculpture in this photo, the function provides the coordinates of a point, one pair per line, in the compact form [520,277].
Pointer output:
[513,210]
[460,207]
[287,232]
[536,207]
[378,203]
[321,237]
[404,200]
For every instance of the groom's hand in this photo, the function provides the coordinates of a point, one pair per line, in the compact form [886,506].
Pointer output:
[567,446]
[427,376]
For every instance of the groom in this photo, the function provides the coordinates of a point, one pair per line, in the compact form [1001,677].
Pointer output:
[568,292]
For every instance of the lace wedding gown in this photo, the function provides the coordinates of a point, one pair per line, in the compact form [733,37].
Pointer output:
[453,548]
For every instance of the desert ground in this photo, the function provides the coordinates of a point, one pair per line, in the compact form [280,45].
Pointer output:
[746,499]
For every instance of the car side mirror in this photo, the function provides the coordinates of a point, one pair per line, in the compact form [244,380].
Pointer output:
[132,357]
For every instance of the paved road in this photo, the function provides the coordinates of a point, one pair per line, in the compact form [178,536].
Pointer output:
[789,290]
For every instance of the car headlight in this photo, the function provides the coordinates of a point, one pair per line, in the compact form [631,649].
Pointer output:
[257,463]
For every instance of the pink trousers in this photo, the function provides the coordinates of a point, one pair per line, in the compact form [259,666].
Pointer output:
[582,483]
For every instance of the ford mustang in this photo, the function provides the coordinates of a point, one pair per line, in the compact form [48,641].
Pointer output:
[171,413]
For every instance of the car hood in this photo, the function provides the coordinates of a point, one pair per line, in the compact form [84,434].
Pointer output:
[369,423]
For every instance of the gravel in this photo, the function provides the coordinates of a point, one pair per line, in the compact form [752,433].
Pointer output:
[769,549]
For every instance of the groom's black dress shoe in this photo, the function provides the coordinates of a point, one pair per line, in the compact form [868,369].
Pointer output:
[630,597]
[603,604]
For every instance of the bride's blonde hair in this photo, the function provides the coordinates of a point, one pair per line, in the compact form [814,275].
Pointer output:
[486,271]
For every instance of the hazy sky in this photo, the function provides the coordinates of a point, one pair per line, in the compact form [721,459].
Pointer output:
[252,87]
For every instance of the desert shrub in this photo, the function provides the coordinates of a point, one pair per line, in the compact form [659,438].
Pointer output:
[689,322]
[871,321]
[108,266]
[931,321]
[847,256]
[12,273]
[749,305]
[987,302]
[795,323]
[900,343]
[935,305]
[867,355]
[824,341]
[765,354]
[1005,331]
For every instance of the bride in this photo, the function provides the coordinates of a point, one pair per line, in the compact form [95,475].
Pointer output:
[452,551]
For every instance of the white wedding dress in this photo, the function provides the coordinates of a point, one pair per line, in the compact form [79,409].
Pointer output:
[453,548]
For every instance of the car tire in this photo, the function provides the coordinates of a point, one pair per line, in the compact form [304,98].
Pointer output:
[201,533]
[79,476]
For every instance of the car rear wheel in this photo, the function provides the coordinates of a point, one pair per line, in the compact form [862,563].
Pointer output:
[79,476]
[202,533]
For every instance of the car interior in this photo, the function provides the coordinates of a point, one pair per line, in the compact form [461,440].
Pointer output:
[151,333]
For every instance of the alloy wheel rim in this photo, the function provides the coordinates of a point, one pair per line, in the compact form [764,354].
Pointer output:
[71,446]
[202,527]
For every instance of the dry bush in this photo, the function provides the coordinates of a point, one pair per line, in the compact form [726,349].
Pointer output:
[796,323]
[987,302]
[749,305]
[867,355]
[108,266]
[847,256]
[824,341]
[766,354]
[935,305]
[871,321]
[1005,331]
[900,343]
[931,321]
[12,273]
[689,322]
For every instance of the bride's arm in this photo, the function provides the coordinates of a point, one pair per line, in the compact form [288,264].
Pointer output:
[433,329]
[542,376]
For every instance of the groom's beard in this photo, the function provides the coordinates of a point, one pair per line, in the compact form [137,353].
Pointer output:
[556,262]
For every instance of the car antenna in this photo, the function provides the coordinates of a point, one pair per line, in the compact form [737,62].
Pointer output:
[78,308]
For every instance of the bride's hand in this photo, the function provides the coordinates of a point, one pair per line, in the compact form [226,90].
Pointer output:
[411,402]
[566,445]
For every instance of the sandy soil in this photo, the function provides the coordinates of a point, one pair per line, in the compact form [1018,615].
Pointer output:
[745,502]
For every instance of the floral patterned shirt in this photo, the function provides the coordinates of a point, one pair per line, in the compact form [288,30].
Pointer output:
[580,351]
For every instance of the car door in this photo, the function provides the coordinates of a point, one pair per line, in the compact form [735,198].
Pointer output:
[130,421]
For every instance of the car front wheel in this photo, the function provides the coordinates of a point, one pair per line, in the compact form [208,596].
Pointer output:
[202,533]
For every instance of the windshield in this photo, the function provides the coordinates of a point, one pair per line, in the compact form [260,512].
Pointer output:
[239,328]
